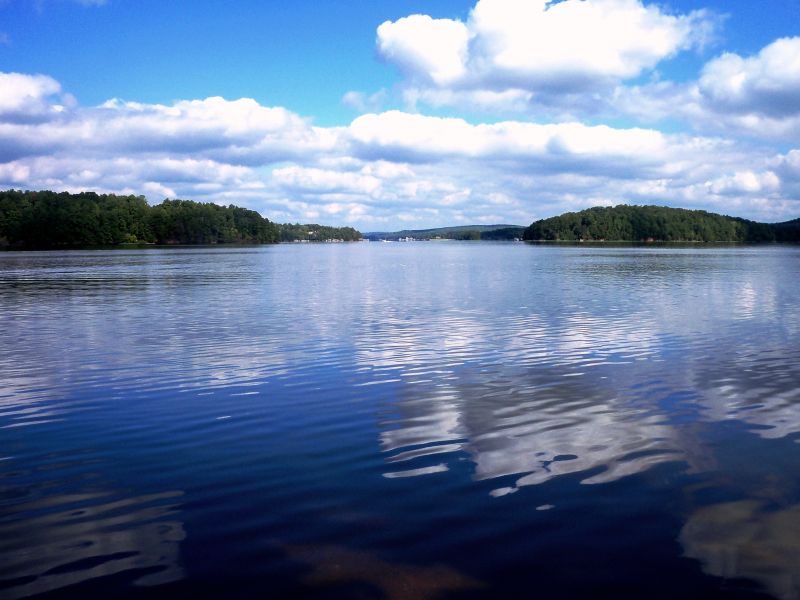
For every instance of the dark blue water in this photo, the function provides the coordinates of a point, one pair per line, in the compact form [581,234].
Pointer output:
[424,420]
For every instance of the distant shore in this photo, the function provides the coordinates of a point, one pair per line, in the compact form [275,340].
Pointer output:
[657,224]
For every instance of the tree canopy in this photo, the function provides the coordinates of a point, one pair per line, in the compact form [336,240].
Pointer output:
[657,223]
[458,232]
[317,233]
[50,219]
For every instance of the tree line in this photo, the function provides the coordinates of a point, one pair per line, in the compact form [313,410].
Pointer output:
[49,219]
[458,232]
[657,223]
[317,233]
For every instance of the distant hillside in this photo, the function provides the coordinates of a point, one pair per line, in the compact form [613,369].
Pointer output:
[657,223]
[788,231]
[460,232]
[316,233]
[51,220]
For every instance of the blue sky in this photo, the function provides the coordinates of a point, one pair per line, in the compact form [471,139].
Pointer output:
[407,113]
[302,54]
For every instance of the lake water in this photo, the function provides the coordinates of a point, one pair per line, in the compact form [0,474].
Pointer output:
[422,420]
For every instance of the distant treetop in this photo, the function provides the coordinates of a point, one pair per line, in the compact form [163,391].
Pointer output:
[656,223]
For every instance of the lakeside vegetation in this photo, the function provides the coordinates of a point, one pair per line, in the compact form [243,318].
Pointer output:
[460,232]
[51,220]
[317,233]
[627,223]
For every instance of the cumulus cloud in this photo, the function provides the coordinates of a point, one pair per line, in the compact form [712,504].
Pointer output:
[28,97]
[532,148]
[758,96]
[381,170]
[576,58]
[241,131]
[767,84]
[573,43]
[745,182]
[433,48]
[312,179]
[535,51]
[215,126]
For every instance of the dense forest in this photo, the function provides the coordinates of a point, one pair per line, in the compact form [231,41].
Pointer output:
[657,223]
[50,219]
[503,234]
[317,233]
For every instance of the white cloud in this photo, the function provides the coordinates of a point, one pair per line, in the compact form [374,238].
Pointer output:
[510,48]
[311,179]
[240,131]
[383,168]
[155,188]
[767,84]
[15,174]
[757,96]
[422,46]
[574,58]
[573,42]
[419,138]
[746,182]
[26,97]
[213,124]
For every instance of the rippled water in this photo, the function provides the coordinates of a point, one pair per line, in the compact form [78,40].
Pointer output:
[419,420]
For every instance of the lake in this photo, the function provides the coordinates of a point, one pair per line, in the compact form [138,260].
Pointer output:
[420,420]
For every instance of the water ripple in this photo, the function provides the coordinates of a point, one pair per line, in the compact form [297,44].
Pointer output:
[253,402]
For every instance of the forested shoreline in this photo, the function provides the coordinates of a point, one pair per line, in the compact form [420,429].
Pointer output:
[628,223]
[51,220]
[457,232]
[47,219]
[316,233]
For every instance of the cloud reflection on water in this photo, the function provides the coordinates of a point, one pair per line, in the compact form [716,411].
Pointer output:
[537,415]
[760,387]
[600,364]
[574,383]
[90,537]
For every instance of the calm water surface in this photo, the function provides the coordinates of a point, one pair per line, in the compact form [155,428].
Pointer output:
[424,420]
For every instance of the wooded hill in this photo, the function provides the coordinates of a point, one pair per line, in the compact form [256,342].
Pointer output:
[459,232]
[626,223]
[317,233]
[50,220]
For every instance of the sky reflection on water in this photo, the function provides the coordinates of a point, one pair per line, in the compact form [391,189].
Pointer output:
[320,397]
